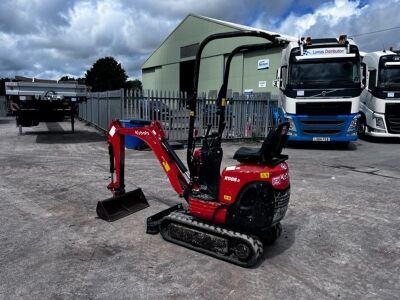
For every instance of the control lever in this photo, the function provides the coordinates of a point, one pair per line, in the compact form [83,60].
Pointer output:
[205,142]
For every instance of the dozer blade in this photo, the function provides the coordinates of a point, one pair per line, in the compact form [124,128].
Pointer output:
[117,207]
[153,222]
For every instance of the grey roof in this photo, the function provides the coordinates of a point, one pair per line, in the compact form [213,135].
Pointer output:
[224,23]
[29,79]
[244,27]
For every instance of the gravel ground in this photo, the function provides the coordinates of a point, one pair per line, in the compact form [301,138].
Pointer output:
[341,236]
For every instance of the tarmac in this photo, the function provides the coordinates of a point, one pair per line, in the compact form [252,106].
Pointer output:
[341,234]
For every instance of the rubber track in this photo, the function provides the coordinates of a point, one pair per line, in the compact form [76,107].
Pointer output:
[190,222]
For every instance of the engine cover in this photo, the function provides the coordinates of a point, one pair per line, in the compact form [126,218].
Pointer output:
[258,195]
[258,207]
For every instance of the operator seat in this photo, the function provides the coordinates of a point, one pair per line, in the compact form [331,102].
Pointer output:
[271,148]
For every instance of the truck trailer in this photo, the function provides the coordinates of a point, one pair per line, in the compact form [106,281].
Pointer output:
[380,101]
[33,101]
[320,83]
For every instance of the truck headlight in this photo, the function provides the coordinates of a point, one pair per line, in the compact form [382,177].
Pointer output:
[379,121]
[353,125]
[292,129]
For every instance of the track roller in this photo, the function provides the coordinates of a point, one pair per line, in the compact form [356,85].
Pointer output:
[235,247]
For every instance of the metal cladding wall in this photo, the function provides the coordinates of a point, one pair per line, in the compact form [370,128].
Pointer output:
[161,71]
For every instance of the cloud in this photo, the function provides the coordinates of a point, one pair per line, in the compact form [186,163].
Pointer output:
[24,17]
[348,17]
[65,37]
[58,37]
[328,14]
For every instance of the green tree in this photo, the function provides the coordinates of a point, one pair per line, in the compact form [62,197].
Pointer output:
[106,74]
[66,78]
[134,85]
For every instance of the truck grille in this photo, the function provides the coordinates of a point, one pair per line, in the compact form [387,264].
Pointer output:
[392,116]
[323,108]
[330,122]
[321,127]
[321,132]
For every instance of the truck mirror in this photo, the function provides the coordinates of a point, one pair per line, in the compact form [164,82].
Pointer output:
[371,79]
[282,77]
[276,82]
[364,74]
[278,73]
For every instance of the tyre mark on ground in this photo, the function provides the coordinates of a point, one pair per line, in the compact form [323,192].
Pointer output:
[369,172]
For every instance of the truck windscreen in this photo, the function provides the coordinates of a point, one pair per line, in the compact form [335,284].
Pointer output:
[324,74]
[389,78]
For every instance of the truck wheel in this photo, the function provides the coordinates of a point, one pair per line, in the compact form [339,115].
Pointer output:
[362,127]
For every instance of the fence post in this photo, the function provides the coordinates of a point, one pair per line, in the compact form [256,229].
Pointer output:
[268,112]
[122,105]
[108,112]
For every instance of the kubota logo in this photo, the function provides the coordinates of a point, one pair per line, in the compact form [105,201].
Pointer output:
[142,132]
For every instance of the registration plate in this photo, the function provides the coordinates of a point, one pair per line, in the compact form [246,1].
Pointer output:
[321,139]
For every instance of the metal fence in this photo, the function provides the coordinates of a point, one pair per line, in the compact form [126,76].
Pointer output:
[245,117]
[3,106]
[101,108]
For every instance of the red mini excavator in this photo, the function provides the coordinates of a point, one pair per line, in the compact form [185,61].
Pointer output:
[228,215]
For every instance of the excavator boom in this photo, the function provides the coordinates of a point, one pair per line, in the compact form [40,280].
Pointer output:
[152,134]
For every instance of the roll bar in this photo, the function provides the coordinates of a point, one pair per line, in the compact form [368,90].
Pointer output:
[244,48]
[191,104]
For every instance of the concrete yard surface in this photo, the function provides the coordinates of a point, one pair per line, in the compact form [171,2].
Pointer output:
[341,234]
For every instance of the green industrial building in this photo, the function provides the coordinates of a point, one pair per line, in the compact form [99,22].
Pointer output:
[170,66]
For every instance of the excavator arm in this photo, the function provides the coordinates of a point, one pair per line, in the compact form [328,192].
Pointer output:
[125,203]
[154,136]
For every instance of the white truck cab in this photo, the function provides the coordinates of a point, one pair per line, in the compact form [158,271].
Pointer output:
[320,83]
[380,101]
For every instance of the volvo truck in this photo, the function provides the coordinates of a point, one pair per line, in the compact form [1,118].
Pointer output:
[380,101]
[320,83]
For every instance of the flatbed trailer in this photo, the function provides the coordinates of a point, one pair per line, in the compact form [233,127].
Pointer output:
[33,102]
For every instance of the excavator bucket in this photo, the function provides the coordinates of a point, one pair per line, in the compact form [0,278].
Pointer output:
[117,207]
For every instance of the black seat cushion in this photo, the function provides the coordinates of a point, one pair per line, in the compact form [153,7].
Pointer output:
[271,147]
[247,154]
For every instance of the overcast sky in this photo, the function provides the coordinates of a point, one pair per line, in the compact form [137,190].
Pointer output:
[52,38]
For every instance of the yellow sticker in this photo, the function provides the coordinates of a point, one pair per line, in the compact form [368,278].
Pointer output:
[192,113]
[227,198]
[223,100]
[166,166]
[264,175]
